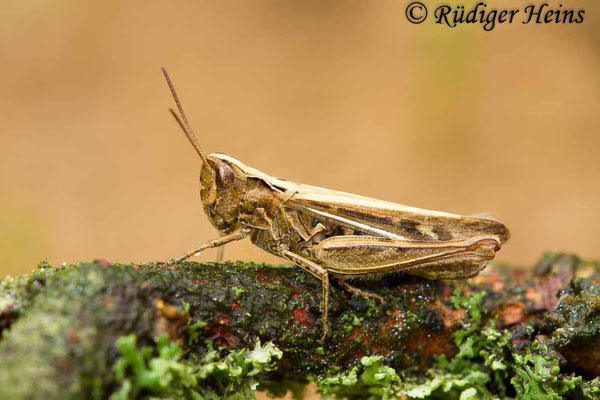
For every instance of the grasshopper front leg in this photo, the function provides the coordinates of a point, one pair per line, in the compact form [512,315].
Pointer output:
[237,235]
[322,275]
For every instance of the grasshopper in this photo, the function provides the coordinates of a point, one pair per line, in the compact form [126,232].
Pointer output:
[331,233]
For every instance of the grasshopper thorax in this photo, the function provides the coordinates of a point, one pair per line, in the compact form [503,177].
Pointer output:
[222,185]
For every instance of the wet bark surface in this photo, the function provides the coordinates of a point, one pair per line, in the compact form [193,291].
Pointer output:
[59,325]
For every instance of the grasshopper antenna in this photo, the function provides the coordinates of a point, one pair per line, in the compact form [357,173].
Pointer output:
[185,125]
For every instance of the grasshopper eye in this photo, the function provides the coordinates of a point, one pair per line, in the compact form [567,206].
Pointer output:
[225,176]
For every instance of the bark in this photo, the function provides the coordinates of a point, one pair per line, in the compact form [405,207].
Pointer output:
[59,326]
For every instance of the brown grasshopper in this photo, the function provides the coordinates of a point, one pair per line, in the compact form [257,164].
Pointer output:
[326,232]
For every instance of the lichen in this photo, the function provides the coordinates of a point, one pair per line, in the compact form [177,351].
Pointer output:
[64,328]
[164,373]
[485,367]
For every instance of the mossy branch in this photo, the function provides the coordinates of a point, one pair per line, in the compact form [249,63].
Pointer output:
[73,331]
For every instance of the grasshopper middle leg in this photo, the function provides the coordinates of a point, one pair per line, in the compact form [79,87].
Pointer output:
[221,253]
[357,291]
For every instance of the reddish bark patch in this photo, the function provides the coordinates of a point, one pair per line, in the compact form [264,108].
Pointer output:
[426,347]
[449,315]
[301,316]
[438,344]
[222,337]
[263,277]
[396,317]
[356,333]
[551,286]
[511,313]
[495,278]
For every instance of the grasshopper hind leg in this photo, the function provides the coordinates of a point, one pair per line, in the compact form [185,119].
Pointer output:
[448,269]
[360,256]
[320,273]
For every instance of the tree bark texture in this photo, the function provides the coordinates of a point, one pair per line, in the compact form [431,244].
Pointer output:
[59,325]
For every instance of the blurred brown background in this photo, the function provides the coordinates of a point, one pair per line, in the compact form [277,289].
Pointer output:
[341,94]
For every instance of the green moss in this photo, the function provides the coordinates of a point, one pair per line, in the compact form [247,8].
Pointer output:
[60,325]
[485,367]
[70,317]
[164,373]
[46,334]
[369,379]
[194,331]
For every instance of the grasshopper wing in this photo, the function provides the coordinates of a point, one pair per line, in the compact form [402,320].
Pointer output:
[393,221]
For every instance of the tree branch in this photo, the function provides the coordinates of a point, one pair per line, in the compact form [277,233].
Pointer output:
[59,326]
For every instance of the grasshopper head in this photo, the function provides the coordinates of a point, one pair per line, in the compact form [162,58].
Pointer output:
[222,185]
